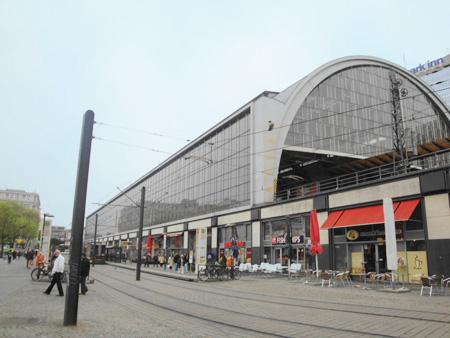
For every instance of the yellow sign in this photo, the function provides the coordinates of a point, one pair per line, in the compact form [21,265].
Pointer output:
[352,235]
[20,241]
[127,243]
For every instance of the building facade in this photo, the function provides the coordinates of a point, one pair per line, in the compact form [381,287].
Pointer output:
[353,132]
[29,200]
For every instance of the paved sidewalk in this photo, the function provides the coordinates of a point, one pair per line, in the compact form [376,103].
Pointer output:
[26,312]
[160,271]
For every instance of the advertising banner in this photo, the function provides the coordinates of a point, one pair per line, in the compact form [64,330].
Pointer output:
[202,241]
[47,235]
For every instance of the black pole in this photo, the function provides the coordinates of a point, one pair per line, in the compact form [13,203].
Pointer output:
[42,238]
[71,303]
[95,240]
[141,226]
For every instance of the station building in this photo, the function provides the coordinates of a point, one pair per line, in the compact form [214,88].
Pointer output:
[353,132]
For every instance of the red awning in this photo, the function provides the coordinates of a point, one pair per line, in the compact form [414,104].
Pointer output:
[369,215]
[405,210]
[331,220]
[156,236]
[175,234]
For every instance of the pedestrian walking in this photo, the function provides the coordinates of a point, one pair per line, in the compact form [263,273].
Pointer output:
[170,262]
[181,269]
[9,258]
[176,260]
[85,266]
[29,258]
[155,260]
[186,263]
[147,260]
[161,260]
[57,271]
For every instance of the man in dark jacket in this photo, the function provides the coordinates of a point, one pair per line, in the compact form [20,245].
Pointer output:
[29,257]
[85,265]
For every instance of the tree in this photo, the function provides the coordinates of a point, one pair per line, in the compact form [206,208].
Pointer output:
[17,222]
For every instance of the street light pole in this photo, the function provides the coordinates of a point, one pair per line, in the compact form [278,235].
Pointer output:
[141,226]
[71,304]
[95,240]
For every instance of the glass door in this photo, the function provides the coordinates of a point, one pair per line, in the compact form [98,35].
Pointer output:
[278,256]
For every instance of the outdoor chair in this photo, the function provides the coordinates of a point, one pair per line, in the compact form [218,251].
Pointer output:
[295,270]
[279,268]
[270,270]
[242,267]
[427,283]
[340,277]
[347,277]
[438,280]
[379,279]
[371,277]
[254,269]
[446,283]
[326,277]
[415,279]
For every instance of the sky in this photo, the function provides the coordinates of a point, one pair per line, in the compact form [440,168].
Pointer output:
[172,68]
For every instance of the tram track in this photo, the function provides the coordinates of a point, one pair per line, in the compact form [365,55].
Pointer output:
[202,311]
[303,303]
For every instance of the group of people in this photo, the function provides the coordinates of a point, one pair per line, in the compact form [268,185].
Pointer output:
[176,261]
[58,270]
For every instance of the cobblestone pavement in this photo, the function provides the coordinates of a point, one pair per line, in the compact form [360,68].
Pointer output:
[118,306]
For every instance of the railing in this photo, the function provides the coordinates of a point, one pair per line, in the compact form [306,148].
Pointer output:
[425,162]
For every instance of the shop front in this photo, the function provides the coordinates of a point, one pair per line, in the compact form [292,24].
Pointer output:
[358,237]
[274,241]
[155,245]
[239,235]
[174,243]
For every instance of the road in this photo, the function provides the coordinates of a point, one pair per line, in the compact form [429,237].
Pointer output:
[119,306]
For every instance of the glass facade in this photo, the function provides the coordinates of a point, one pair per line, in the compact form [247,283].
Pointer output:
[350,112]
[212,174]
[439,81]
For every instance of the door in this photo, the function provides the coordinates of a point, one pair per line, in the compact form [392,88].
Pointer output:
[375,257]
[278,256]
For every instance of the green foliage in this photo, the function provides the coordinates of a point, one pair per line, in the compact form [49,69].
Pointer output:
[16,222]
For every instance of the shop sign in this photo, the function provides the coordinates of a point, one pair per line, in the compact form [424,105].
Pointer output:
[375,233]
[352,235]
[126,243]
[229,244]
[282,240]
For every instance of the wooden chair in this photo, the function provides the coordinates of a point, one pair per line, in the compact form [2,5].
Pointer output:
[427,283]
[326,277]
[340,277]
[446,282]
[438,280]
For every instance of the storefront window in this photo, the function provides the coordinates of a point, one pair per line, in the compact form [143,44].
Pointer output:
[340,252]
[267,232]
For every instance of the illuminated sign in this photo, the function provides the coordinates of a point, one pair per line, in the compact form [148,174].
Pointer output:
[282,240]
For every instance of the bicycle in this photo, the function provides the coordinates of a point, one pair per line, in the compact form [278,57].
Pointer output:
[43,270]
[212,271]
[40,272]
[234,273]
